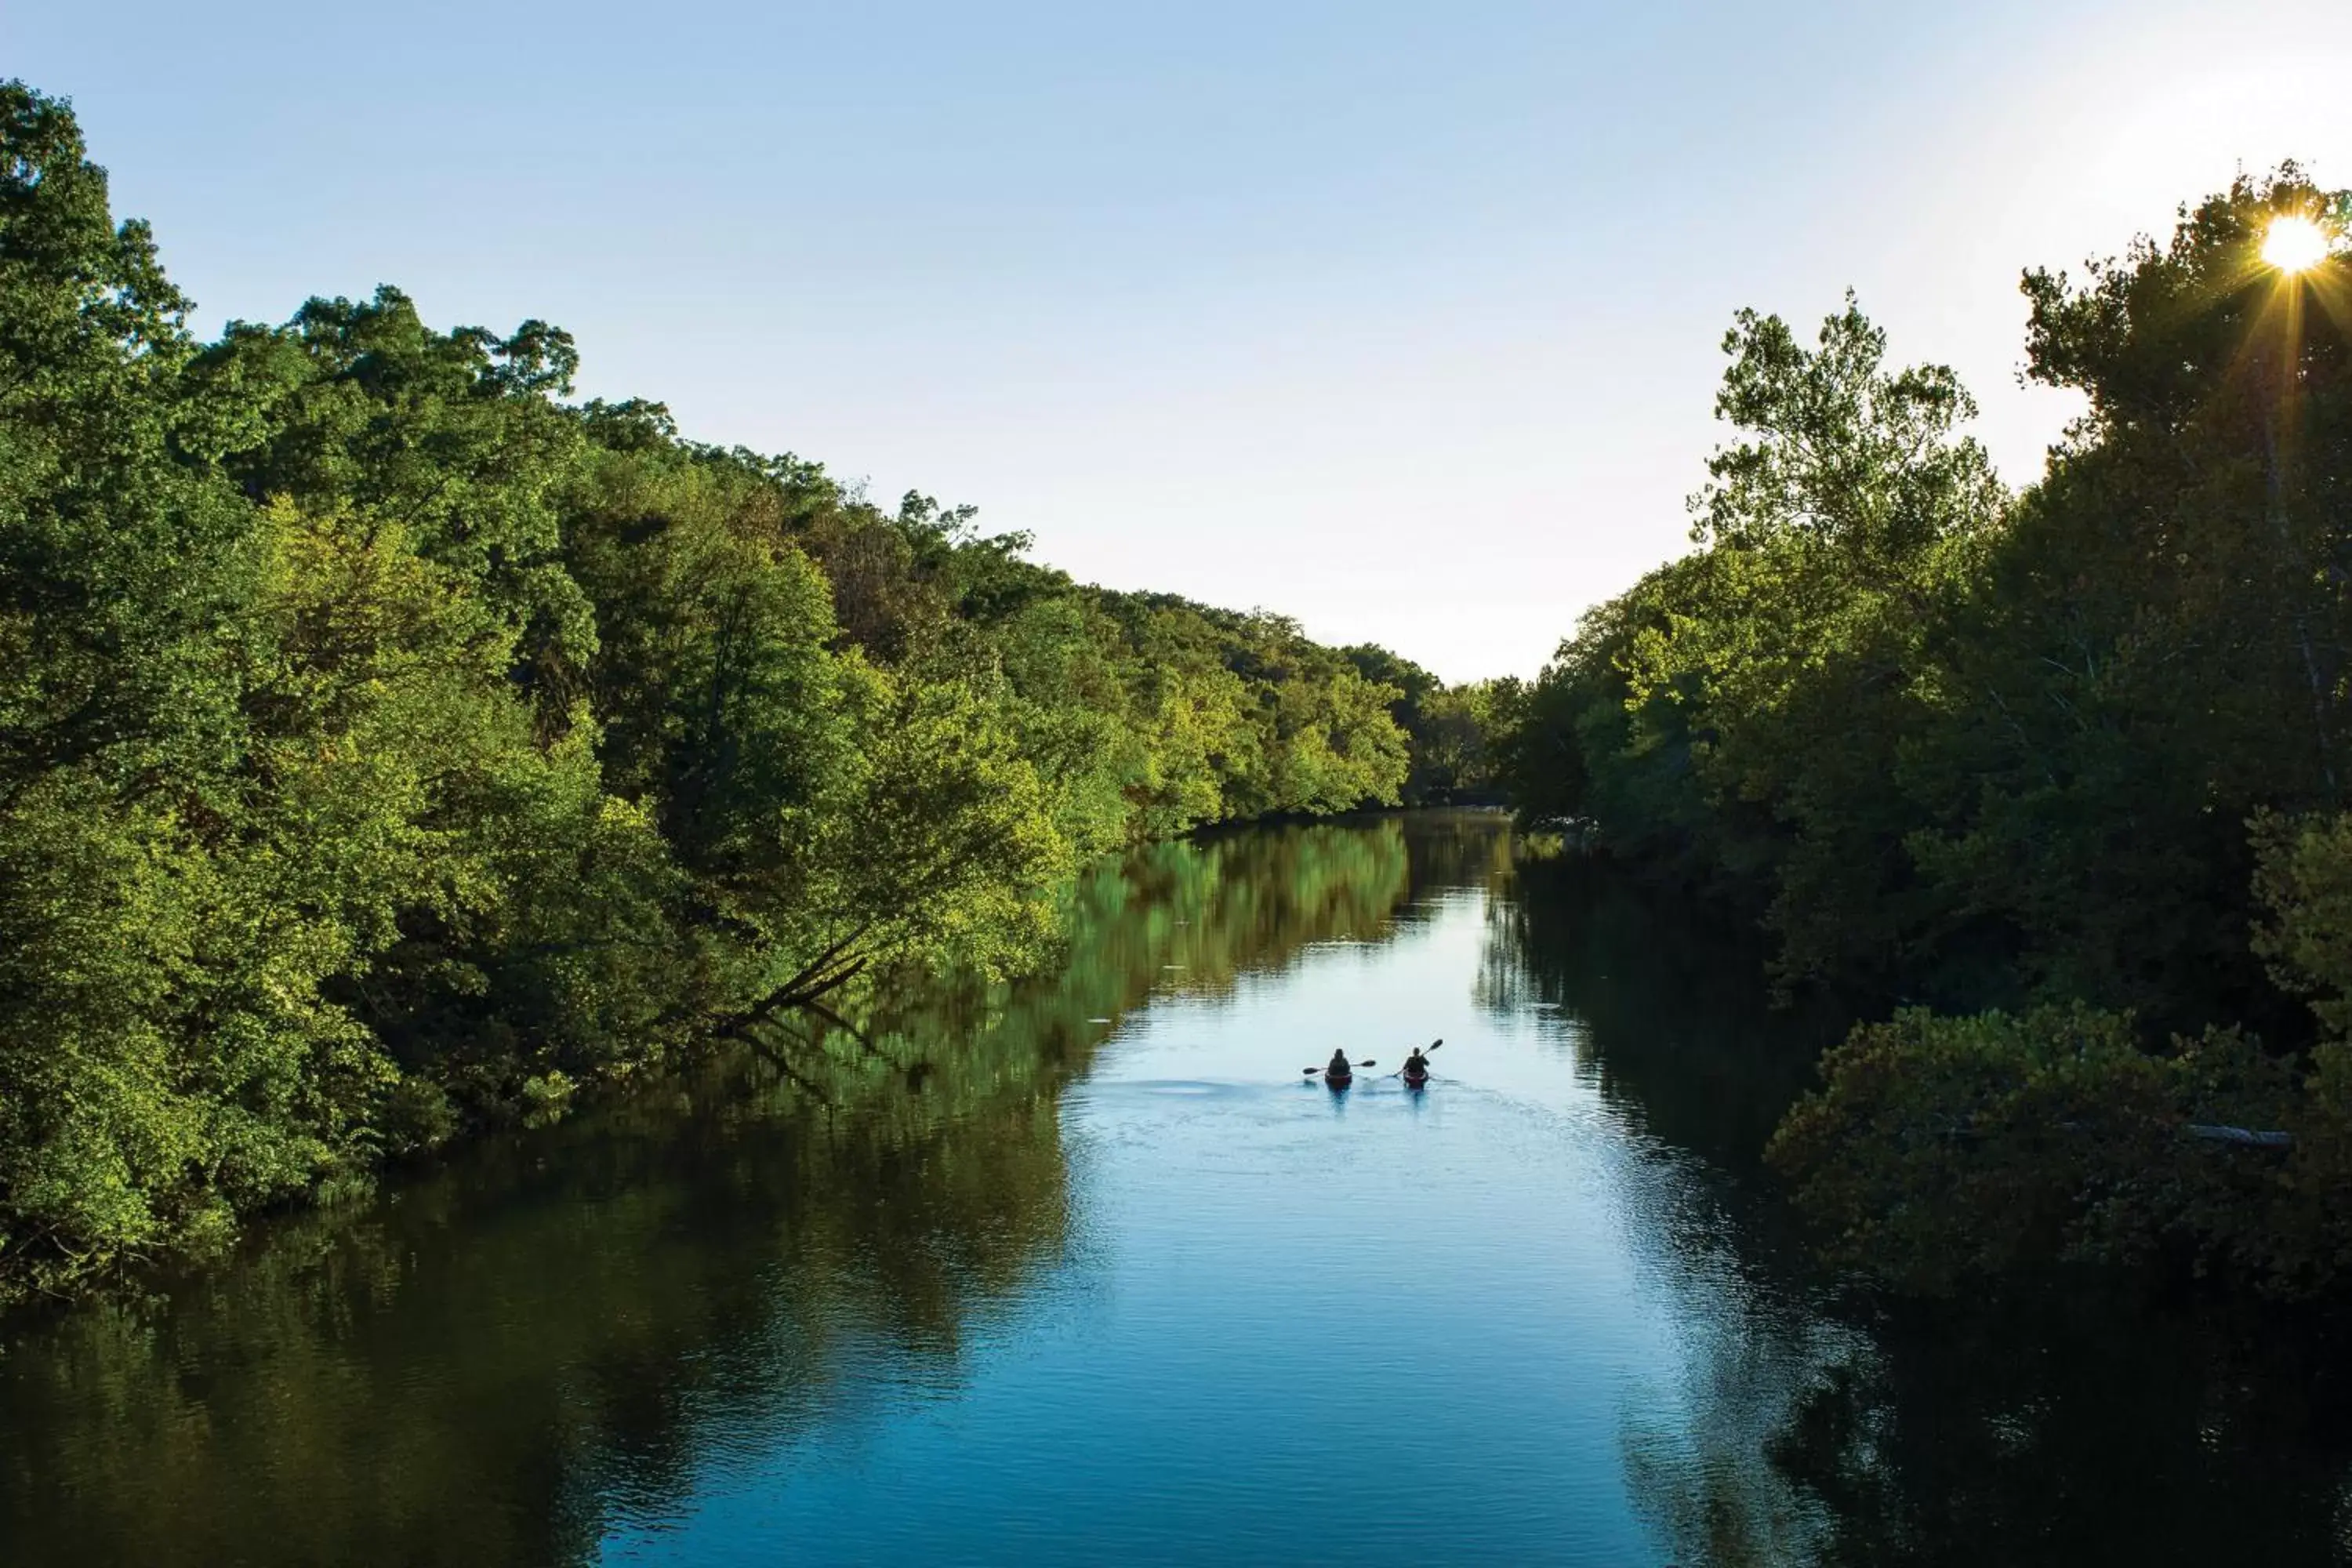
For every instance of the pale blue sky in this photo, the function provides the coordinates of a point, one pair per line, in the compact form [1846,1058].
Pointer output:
[1401,318]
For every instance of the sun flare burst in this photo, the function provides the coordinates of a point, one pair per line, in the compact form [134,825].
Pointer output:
[2294,244]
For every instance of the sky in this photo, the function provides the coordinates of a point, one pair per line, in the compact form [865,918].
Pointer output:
[1403,320]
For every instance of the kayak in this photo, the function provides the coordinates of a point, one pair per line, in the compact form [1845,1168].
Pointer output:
[1337,1080]
[1416,1080]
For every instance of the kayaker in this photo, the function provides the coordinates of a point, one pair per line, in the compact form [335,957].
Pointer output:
[1416,1064]
[1339,1067]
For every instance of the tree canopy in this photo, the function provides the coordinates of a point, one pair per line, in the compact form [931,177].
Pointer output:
[391,744]
[2056,779]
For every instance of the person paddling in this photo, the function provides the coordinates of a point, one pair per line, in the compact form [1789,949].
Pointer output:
[1416,1066]
[1339,1066]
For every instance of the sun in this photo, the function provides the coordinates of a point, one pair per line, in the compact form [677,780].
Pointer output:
[2294,244]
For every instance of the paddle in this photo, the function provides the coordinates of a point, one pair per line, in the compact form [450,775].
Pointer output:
[1367,1062]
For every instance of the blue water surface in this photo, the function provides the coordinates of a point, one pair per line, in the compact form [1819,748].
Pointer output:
[1480,1322]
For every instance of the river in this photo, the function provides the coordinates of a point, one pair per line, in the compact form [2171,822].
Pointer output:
[1088,1271]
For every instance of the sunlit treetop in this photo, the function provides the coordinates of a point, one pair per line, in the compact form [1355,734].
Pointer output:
[2294,243]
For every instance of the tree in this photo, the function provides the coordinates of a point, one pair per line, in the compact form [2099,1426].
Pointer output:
[389,747]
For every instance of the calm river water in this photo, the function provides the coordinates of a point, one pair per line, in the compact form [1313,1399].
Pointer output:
[1087,1272]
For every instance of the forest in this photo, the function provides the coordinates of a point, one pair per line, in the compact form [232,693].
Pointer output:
[2046,788]
[393,746]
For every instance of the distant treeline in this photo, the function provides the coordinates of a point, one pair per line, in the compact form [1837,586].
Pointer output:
[2054,785]
[390,745]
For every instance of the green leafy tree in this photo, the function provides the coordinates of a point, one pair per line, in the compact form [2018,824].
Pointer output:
[389,747]
[121,574]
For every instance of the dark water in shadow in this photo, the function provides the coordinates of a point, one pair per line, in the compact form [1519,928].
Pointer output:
[1086,1272]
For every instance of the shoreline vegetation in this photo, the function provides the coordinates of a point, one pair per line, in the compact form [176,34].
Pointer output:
[2048,789]
[391,748]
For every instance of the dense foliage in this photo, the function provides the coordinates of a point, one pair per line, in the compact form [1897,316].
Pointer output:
[2060,774]
[389,745]
[1450,730]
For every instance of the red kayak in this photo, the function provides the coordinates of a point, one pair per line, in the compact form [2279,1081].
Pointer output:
[1414,1079]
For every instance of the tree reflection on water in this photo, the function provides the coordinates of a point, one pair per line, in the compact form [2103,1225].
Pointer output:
[2067,1420]
[554,1333]
[570,1331]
